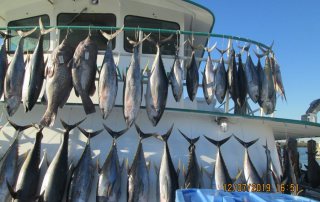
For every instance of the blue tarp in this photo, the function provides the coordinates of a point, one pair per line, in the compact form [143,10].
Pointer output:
[211,195]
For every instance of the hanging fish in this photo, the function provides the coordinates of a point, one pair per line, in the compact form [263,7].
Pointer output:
[176,78]
[250,172]
[168,177]
[34,75]
[313,169]
[221,174]
[138,174]
[242,80]
[277,76]
[14,76]
[54,182]
[269,104]
[221,79]
[109,182]
[28,178]
[3,60]
[108,79]
[159,84]
[233,84]
[208,78]
[193,176]
[269,177]
[9,164]
[84,69]
[289,178]
[59,81]
[133,87]
[251,77]
[83,173]
[192,79]
[262,81]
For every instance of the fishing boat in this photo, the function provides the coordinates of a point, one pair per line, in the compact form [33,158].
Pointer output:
[184,19]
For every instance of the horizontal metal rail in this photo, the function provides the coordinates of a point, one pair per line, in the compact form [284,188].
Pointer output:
[169,31]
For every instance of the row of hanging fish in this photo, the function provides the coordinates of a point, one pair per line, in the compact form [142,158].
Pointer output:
[26,183]
[76,68]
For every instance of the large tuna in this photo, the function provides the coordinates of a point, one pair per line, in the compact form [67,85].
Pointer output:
[192,80]
[34,75]
[59,81]
[3,60]
[168,177]
[83,174]
[159,84]
[277,76]
[262,80]
[242,81]
[54,182]
[221,174]
[108,80]
[250,172]
[176,78]
[14,76]
[233,84]
[193,176]
[84,68]
[208,79]
[138,174]
[28,178]
[221,79]
[269,104]
[133,87]
[269,177]
[109,182]
[9,164]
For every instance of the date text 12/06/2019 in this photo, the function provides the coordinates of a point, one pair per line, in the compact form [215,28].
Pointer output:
[260,187]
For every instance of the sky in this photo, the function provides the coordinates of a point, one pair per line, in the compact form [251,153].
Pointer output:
[294,25]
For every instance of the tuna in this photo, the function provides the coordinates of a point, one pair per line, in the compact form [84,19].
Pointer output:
[9,164]
[138,174]
[193,176]
[109,182]
[3,60]
[208,79]
[168,177]
[192,79]
[269,177]
[14,76]
[176,78]
[34,75]
[233,84]
[277,77]
[221,79]
[108,80]
[133,86]
[250,172]
[83,173]
[158,85]
[221,174]
[242,81]
[269,104]
[262,81]
[59,81]
[289,177]
[28,178]
[54,182]
[84,69]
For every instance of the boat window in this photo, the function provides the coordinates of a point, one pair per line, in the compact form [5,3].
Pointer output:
[32,40]
[86,19]
[148,48]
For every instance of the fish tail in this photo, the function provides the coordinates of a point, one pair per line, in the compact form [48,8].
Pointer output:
[18,127]
[165,40]
[222,51]
[216,142]
[115,134]
[5,36]
[68,127]
[141,134]
[44,31]
[166,136]
[244,48]
[88,105]
[246,144]
[27,33]
[209,50]
[89,134]
[109,37]
[190,140]
[137,43]
[259,56]
[48,118]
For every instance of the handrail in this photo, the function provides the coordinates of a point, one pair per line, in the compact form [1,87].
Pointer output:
[169,31]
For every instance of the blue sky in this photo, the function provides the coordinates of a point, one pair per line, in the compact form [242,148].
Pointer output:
[294,25]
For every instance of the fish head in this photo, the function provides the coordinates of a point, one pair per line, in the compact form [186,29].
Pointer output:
[12,105]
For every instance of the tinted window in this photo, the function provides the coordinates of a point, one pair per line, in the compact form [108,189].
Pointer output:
[31,41]
[148,48]
[86,19]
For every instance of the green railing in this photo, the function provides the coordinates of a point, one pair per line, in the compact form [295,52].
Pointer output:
[147,30]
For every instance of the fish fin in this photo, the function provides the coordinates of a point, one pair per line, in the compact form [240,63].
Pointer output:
[89,135]
[163,41]
[13,194]
[41,197]
[137,43]
[259,56]
[216,142]
[25,34]
[18,127]
[141,134]
[44,31]
[244,48]
[115,134]
[5,35]
[166,136]
[222,51]
[212,48]
[246,144]
[68,127]
[43,160]
[109,37]
[190,140]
